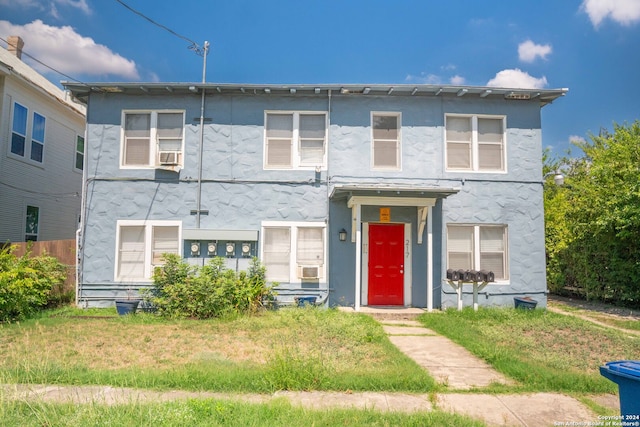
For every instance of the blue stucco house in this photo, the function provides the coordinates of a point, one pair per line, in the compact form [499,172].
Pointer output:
[361,195]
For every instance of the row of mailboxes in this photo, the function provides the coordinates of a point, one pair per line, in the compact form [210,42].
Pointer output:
[471,275]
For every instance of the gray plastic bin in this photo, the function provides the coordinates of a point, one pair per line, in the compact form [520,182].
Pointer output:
[625,373]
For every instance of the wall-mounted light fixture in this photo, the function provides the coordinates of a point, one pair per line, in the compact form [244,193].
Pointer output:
[211,248]
[195,248]
[558,178]
[231,248]
[342,235]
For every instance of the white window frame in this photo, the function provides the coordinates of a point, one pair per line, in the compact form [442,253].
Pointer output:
[28,135]
[293,248]
[476,248]
[296,161]
[33,237]
[78,153]
[475,166]
[398,165]
[154,161]
[148,246]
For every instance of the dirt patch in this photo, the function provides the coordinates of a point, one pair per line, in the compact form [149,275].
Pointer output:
[596,307]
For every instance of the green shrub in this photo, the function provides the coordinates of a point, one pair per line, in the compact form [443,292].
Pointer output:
[26,283]
[183,290]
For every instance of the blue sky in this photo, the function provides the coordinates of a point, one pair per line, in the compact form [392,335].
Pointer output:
[588,46]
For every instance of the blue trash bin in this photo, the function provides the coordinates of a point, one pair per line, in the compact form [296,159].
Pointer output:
[625,373]
[302,301]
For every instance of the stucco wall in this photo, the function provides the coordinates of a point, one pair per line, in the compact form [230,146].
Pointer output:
[240,194]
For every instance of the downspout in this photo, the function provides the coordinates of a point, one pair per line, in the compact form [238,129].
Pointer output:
[201,144]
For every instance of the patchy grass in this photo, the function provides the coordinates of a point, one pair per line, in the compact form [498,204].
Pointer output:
[296,349]
[630,322]
[544,351]
[209,412]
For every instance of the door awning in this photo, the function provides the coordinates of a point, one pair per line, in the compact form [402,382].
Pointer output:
[422,198]
[390,190]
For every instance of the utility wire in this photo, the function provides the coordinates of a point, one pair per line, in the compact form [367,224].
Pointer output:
[194,46]
[48,66]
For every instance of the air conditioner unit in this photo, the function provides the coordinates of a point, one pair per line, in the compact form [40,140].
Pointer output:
[169,157]
[309,271]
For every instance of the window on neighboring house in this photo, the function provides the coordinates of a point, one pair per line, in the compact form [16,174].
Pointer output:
[295,140]
[141,245]
[153,138]
[475,143]
[37,137]
[31,224]
[293,252]
[386,140]
[19,129]
[478,247]
[79,152]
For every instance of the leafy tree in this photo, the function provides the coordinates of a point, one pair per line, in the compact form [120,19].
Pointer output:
[593,222]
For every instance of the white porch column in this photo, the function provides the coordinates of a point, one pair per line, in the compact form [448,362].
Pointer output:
[430,259]
[358,232]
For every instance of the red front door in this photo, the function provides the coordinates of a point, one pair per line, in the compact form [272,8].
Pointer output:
[386,264]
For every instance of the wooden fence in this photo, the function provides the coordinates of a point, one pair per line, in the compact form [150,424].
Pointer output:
[63,250]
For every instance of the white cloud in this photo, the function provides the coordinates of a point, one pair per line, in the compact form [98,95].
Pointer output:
[39,5]
[424,78]
[528,51]
[457,80]
[67,51]
[624,12]
[517,79]
[576,139]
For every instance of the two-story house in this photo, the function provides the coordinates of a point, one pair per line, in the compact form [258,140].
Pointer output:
[41,153]
[362,195]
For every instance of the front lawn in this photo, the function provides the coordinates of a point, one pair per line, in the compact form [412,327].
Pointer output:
[294,349]
[543,351]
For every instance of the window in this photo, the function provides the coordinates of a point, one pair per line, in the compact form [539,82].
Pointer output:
[295,140]
[386,141]
[79,152]
[141,245]
[293,252]
[19,129]
[31,224]
[475,143]
[478,247]
[20,144]
[152,138]
[37,138]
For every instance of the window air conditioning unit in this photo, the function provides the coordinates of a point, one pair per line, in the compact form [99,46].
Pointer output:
[309,271]
[169,158]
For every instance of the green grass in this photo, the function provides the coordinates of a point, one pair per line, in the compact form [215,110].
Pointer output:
[291,349]
[209,412]
[541,350]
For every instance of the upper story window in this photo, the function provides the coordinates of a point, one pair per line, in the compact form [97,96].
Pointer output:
[478,247]
[79,164]
[475,143]
[385,147]
[152,138]
[295,140]
[21,145]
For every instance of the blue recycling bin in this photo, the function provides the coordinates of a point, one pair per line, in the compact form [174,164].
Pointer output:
[625,373]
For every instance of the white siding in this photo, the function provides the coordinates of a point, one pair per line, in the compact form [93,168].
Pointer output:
[54,186]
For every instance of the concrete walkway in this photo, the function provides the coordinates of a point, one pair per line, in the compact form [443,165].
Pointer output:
[449,363]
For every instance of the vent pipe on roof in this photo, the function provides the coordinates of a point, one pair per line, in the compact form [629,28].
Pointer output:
[15,45]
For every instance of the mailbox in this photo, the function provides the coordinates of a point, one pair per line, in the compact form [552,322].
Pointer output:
[452,275]
[488,276]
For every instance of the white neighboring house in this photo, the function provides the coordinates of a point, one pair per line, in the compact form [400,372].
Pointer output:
[41,153]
